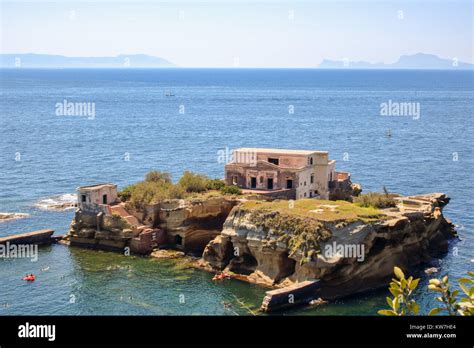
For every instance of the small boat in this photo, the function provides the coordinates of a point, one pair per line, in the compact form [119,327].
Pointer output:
[30,278]
[221,276]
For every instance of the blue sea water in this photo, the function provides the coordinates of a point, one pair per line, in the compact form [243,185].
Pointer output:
[137,127]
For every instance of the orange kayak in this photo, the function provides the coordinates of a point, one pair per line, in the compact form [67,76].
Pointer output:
[29,278]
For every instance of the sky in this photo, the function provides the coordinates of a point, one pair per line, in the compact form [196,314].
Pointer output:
[224,33]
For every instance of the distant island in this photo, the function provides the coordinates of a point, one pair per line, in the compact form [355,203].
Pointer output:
[32,60]
[415,61]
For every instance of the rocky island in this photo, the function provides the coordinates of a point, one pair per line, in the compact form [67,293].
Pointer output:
[304,249]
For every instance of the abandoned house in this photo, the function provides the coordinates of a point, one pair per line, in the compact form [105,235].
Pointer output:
[96,198]
[293,174]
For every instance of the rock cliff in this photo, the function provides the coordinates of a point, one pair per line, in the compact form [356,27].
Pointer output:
[191,224]
[345,255]
[188,225]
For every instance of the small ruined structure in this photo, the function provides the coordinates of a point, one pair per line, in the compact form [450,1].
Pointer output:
[103,222]
[292,174]
[96,198]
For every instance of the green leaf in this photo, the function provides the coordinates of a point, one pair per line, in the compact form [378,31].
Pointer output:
[394,292]
[435,311]
[389,301]
[396,304]
[465,289]
[470,273]
[414,284]
[398,273]
[435,282]
[435,288]
[415,308]
[387,312]
[403,283]
[445,279]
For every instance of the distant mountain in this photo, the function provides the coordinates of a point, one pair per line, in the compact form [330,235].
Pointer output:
[415,61]
[32,60]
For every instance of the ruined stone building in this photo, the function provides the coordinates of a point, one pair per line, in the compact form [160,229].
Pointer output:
[294,174]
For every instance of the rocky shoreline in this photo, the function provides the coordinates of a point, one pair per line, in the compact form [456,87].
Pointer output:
[225,234]
[410,234]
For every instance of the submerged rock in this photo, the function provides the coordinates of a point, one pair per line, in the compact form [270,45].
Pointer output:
[167,254]
[12,216]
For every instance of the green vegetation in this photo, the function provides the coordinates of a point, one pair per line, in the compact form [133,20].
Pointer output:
[158,186]
[402,289]
[376,200]
[322,210]
[299,234]
[157,176]
[402,302]
[448,296]
[215,184]
[126,193]
[192,182]
[231,190]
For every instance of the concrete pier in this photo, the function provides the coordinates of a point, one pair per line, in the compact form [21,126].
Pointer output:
[34,237]
[291,296]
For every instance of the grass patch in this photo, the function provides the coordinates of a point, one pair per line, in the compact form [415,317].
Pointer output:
[376,200]
[301,225]
[322,210]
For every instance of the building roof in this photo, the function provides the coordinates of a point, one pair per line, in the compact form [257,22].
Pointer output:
[280,151]
[96,187]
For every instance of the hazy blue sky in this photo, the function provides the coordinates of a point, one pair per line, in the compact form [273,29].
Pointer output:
[252,34]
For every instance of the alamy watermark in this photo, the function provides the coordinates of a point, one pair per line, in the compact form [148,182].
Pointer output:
[393,108]
[19,251]
[67,108]
[356,251]
[37,331]
[226,155]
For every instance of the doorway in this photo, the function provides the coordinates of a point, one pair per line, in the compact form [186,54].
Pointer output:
[270,183]
[253,182]
[104,199]
[289,184]
[178,240]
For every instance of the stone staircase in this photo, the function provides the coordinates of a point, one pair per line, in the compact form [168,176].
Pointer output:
[145,237]
[137,226]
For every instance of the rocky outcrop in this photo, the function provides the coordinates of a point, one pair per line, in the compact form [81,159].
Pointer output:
[357,255]
[188,225]
[99,231]
[191,224]
[12,216]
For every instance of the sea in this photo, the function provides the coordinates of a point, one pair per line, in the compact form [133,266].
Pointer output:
[409,131]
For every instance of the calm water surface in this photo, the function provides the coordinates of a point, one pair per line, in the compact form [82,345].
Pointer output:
[43,155]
